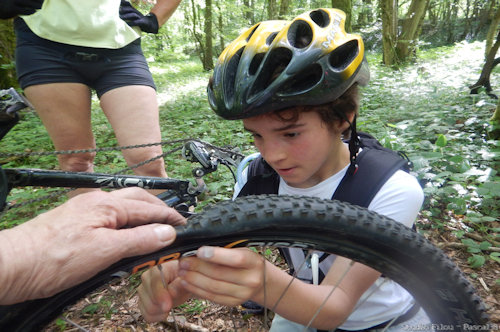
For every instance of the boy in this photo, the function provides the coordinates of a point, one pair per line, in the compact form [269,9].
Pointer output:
[295,87]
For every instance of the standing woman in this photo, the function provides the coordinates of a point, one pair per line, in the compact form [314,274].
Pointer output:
[68,48]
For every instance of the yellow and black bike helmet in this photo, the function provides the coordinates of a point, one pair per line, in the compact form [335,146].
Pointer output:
[274,65]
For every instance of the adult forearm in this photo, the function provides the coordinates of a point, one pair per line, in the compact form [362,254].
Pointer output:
[163,9]
[16,254]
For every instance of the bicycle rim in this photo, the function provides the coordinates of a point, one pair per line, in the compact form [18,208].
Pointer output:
[308,223]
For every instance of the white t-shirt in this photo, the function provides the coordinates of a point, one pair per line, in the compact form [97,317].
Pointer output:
[400,198]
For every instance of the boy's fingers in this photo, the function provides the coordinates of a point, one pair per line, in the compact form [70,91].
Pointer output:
[155,301]
[218,292]
[150,313]
[234,257]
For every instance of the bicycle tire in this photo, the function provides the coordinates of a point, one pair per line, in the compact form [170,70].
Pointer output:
[327,225]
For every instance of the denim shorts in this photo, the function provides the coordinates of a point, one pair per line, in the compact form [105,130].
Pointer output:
[41,61]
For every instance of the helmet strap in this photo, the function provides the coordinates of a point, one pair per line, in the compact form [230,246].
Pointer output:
[353,146]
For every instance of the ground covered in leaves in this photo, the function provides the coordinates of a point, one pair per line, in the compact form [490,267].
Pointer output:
[484,280]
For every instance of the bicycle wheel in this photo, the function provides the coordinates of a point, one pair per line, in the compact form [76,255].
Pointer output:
[331,226]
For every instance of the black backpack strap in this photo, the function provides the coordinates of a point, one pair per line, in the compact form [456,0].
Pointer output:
[261,179]
[375,167]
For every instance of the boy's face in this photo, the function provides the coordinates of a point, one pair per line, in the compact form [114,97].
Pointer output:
[304,152]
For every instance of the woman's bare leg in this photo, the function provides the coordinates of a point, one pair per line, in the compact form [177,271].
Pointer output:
[133,113]
[64,109]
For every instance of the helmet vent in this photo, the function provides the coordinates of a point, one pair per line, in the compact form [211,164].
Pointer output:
[320,17]
[251,33]
[256,61]
[271,37]
[277,60]
[303,81]
[341,57]
[300,34]
[230,75]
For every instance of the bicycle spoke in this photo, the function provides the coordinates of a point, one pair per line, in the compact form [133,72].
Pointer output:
[79,327]
[265,286]
[294,276]
[160,269]
[334,287]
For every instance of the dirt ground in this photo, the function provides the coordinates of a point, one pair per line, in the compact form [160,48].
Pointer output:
[484,279]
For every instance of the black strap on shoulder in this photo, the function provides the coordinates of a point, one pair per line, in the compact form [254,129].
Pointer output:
[375,167]
[262,179]
[376,164]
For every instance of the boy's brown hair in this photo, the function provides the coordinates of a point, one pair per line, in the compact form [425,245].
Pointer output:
[329,112]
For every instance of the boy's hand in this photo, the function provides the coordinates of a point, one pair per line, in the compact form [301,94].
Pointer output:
[156,300]
[225,276]
[133,17]
[12,8]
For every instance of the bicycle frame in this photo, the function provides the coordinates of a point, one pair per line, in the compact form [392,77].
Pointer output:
[180,194]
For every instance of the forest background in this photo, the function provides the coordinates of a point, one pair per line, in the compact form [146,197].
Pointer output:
[432,95]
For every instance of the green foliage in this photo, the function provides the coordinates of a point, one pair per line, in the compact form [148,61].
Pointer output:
[424,109]
[61,324]
[193,306]
[476,261]
[102,308]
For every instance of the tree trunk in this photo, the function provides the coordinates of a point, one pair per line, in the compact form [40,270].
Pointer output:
[496,115]
[200,47]
[7,47]
[208,63]
[365,16]
[491,32]
[248,11]
[433,12]
[468,21]
[220,28]
[445,12]
[284,9]
[389,12]
[495,121]
[484,78]
[483,13]
[271,9]
[407,41]
[346,7]
[452,19]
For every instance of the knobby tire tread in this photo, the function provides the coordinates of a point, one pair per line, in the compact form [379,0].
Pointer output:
[351,231]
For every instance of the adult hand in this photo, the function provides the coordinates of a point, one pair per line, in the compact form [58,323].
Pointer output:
[133,17]
[12,8]
[69,244]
